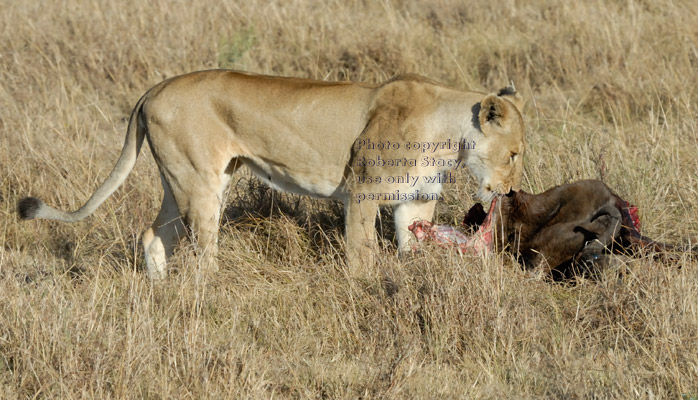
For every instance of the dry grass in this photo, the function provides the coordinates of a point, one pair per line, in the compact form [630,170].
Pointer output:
[612,92]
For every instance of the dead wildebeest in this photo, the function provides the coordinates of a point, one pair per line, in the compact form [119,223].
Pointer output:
[568,228]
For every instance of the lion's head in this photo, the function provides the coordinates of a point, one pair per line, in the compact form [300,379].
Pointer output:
[497,158]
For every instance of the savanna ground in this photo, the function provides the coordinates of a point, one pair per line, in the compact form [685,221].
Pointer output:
[611,93]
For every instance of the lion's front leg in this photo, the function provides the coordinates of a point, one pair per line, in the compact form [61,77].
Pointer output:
[362,243]
[406,213]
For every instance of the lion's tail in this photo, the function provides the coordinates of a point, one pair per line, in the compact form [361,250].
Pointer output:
[31,207]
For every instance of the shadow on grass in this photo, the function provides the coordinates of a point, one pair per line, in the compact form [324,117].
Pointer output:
[322,220]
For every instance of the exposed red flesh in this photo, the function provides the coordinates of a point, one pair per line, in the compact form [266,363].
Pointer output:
[443,235]
[482,240]
[634,215]
[447,236]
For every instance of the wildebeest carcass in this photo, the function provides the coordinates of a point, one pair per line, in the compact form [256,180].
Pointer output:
[569,227]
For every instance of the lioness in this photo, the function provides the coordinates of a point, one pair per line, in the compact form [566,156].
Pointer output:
[366,145]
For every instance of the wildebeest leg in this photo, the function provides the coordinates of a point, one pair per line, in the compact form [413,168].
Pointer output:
[637,241]
[599,234]
[474,218]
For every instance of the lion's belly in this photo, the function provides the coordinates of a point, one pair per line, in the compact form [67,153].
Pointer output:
[319,183]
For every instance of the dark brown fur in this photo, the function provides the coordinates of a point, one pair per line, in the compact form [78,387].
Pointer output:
[572,224]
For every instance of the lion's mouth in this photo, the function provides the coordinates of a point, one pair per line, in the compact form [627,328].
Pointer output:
[447,236]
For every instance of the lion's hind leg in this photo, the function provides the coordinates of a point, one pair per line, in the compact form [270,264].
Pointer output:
[196,206]
[205,198]
[203,218]
[161,238]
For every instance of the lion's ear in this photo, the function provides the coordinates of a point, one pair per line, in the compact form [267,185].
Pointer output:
[512,95]
[493,111]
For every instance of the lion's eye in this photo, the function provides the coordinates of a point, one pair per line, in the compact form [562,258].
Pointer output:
[512,157]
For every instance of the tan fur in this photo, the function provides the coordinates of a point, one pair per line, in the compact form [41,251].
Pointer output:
[304,136]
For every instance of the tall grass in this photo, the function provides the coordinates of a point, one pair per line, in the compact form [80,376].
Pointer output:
[612,93]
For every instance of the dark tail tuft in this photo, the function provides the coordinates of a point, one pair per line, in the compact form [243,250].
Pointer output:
[28,207]
[507,91]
